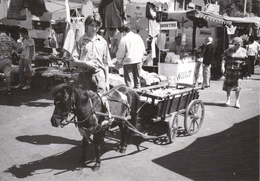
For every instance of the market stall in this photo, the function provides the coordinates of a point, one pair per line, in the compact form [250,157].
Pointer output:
[244,26]
[47,26]
[192,27]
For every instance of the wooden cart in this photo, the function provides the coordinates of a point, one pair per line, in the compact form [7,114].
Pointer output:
[166,109]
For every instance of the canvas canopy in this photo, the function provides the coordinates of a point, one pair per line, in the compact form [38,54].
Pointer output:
[244,21]
[55,7]
[186,18]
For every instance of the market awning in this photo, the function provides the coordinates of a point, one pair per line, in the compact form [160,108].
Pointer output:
[213,19]
[58,9]
[10,22]
[239,21]
[202,18]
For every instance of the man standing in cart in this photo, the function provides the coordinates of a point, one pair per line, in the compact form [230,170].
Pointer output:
[207,60]
[130,53]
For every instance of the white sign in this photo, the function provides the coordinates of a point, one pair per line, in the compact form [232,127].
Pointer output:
[214,8]
[169,25]
[191,5]
[184,73]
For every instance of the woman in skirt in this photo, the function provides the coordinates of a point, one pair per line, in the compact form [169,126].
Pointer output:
[232,63]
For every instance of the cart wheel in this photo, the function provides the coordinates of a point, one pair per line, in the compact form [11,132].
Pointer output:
[173,127]
[164,140]
[194,116]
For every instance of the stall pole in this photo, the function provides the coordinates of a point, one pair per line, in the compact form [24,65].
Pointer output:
[194,36]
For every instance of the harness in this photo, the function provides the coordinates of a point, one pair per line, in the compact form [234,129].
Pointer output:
[93,110]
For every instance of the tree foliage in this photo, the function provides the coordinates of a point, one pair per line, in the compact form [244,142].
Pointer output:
[235,8]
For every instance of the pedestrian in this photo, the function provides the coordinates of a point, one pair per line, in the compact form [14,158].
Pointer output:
[199,60]
[25,63]
[91,57]
[253,50]
[114,37]
[130,53]
[207,60]
[233,59]
[7,47]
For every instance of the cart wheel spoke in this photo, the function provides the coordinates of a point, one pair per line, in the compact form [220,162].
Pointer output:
[194,116]
[173,127]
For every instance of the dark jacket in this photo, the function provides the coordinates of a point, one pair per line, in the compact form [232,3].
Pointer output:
[208,54]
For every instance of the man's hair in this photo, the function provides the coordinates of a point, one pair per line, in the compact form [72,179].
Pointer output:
[24,31]
[210,39]
[93,18]
[177,37]
[125,28]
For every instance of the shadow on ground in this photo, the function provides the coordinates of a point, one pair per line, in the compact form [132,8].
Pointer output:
[229,155]
[63,161]
[215,104]
[46,140]
[25,97]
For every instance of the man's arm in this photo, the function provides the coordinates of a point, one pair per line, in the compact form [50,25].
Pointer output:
[121,52]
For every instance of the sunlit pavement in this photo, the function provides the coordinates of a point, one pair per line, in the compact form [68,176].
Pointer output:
[225,148]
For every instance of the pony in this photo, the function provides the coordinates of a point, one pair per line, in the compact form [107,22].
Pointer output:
[71,99]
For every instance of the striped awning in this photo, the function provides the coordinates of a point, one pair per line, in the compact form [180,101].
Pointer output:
[189,16]
[213,18]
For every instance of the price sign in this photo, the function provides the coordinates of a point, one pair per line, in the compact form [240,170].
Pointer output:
[169,25]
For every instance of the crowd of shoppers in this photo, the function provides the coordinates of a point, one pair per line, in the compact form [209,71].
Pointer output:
[91,57]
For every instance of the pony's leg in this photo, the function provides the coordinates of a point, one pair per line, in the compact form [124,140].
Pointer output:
[98,139]
[83,151]
[123,141]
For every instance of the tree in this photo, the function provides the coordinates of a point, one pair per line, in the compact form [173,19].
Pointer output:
[236,7]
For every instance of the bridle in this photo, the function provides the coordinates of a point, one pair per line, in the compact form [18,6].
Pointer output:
[72,109]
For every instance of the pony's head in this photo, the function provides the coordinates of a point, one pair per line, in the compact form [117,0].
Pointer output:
[63,101]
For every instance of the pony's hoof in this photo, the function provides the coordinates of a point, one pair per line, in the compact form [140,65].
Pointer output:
[122,149]
[96,167]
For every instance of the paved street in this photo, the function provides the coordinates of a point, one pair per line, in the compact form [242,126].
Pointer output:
[226,147]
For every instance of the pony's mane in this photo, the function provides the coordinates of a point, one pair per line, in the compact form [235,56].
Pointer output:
[68,86]
[57,88]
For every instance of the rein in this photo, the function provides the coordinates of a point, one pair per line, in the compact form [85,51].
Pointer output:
[73,110]
[92,111]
